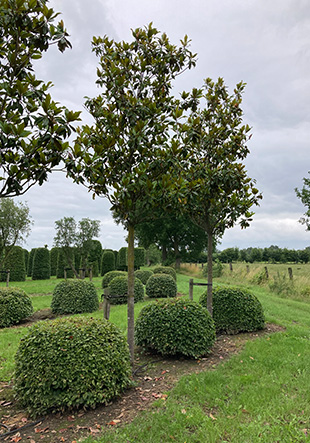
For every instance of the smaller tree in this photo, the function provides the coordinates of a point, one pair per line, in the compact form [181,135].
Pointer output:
[15,223]
[212,183]
[70,236]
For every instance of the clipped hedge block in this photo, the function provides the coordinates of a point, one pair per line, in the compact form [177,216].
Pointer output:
[161,286]
[165,270]
[74,296]
[119,286]
[41,266]
[235,310]
[69,363]
[110,275]
[107,262]
[175,326]
[143,275]
[15,305]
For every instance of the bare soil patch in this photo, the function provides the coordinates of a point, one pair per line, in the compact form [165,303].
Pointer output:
[153,377]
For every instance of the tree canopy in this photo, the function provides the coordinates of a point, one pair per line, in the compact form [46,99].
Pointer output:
[33,127]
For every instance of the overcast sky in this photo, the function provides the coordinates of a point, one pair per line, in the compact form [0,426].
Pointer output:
[264,43]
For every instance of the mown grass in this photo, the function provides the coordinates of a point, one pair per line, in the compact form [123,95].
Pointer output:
[259,395]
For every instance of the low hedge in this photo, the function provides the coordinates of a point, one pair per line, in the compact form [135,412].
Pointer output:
[235,310]
[110,275]
[74,296]
[15,305]
[161,286]
[175,326]
[165,270]
[70,363]
[119,286]
[143,275]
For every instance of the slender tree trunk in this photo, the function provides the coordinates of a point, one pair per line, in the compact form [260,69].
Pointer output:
[177,254]
[163,253]
[210,274]
[67,255]
[130,302]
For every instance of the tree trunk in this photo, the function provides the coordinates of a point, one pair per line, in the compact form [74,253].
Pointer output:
[163,254]
[210,274]
[130,302]
[177,254]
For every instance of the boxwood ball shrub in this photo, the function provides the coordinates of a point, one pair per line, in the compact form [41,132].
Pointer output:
[15,305]
[143,275]
[235,310]
[165,270]
[110,275]
[160,286]
[69,363]
[119,286]
[175,326]
[74,296]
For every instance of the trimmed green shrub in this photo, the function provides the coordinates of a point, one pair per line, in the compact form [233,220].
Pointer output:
[161,285]
[26,258]
[15,262]
[74,296]
[122,262]
[119,286]
[41,267]
[143,275]
[15,305]
[54,258]
[110,275]
[70,363]
[95,256]
[165,270]
[107,262]
[30,262]
[175,326]
[139,255]
[235,310]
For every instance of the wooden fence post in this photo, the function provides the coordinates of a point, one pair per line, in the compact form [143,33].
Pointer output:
[7,278]
[247,269]
[65,274]
[191,288]
[90,274]
[230,266]
[266,272]
[290,273]
[106,304]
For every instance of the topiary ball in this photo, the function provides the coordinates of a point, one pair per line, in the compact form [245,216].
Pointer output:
[110,275]
[119,287]
[69,363]
[74,296]
[165,270]
[160,286]
[15,305]
[143,275]
[175,326]
[235,310]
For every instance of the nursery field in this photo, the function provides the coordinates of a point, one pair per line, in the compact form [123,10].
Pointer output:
[252,387]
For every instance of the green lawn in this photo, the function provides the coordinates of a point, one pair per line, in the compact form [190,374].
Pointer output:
[260,395]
